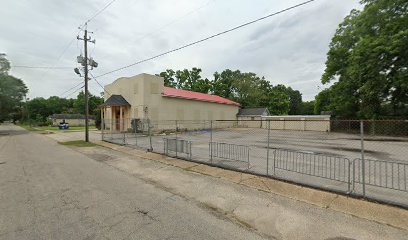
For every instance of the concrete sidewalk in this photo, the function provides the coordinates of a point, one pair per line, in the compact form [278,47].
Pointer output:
[274,208]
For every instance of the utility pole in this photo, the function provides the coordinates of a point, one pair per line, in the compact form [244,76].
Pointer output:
[85,62]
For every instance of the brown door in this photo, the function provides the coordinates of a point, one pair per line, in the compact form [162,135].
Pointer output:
[117,119]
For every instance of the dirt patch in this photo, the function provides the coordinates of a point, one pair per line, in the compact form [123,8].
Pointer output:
[340,238]
[100,157]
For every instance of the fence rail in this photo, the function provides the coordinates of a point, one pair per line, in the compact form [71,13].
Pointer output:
[366,158]
[380,173]
[177,146]
[313,164]
[229,151]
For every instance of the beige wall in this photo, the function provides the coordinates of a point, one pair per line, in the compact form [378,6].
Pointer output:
[73,122]
[143,92]
[251,124]
[299,123]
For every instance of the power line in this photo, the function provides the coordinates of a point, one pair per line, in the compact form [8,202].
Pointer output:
[98,12]
[40,67]
[103,88]
[75,91]
[154,32]
[208,38]
[173,21]
[70,89]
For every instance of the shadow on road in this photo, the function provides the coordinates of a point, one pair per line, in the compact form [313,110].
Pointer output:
[4,133]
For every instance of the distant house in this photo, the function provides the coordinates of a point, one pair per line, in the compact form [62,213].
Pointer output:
[246,114]
[71,119]
[252,113]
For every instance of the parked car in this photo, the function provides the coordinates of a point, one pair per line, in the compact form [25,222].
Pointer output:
[63,125]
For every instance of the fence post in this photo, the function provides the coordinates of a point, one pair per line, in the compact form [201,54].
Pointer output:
[248,158]
[102,124]
[150,135]
[362,156]
[135,126]
[267,150]
[211,136]
[176,138]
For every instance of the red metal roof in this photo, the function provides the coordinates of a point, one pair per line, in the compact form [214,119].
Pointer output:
[178,93]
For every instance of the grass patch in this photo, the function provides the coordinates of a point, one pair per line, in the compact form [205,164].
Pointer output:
[54,128]
[30,128]
[78,143]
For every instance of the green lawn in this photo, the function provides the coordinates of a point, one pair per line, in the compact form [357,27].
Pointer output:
[78,143]
[51,128]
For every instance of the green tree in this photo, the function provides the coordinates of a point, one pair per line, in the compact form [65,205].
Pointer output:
[322,101]
[93,103]
[12,92]
[295,99]
[222,83]
[368,60]
[307,108]
[4,64]
[169,78]
[187,80]
[279,100]
[246,88]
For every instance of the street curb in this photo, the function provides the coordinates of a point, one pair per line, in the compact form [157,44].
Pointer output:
[384,214]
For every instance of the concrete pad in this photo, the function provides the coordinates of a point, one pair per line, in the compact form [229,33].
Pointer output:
[182,164]
[236,177]
[380,213]
[207,170]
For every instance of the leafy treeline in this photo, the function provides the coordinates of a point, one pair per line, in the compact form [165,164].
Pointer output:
[12,92]
[38,109]
[248,89]
[367,63]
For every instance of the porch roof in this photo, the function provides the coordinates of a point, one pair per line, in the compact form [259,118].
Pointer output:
[115,100]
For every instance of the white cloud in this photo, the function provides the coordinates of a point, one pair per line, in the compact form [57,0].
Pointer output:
[290,48]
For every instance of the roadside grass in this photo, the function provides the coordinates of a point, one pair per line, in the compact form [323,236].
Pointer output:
[30,128]
[78,143]
[53,128]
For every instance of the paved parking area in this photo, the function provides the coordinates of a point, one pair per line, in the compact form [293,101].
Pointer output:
[323,162]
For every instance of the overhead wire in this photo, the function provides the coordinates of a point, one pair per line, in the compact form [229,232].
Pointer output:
[80,27]
[40,67]
[152,33]
[76,90]
[208,38]
[103,88]
[65,92]
[97,13]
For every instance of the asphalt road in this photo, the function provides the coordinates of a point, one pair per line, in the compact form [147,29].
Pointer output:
[48,191]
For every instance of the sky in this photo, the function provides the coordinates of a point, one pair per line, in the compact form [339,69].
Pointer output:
[289,48]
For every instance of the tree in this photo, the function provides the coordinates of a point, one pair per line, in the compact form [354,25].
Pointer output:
[279,100]
[93,103]
[4,64]
[169,78]
[246,88]
[12,92]
[187,80]
[307,108]
[222,83]
[368,60]
[295,99]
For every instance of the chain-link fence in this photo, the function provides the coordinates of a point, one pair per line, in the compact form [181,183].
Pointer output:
[363,158]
